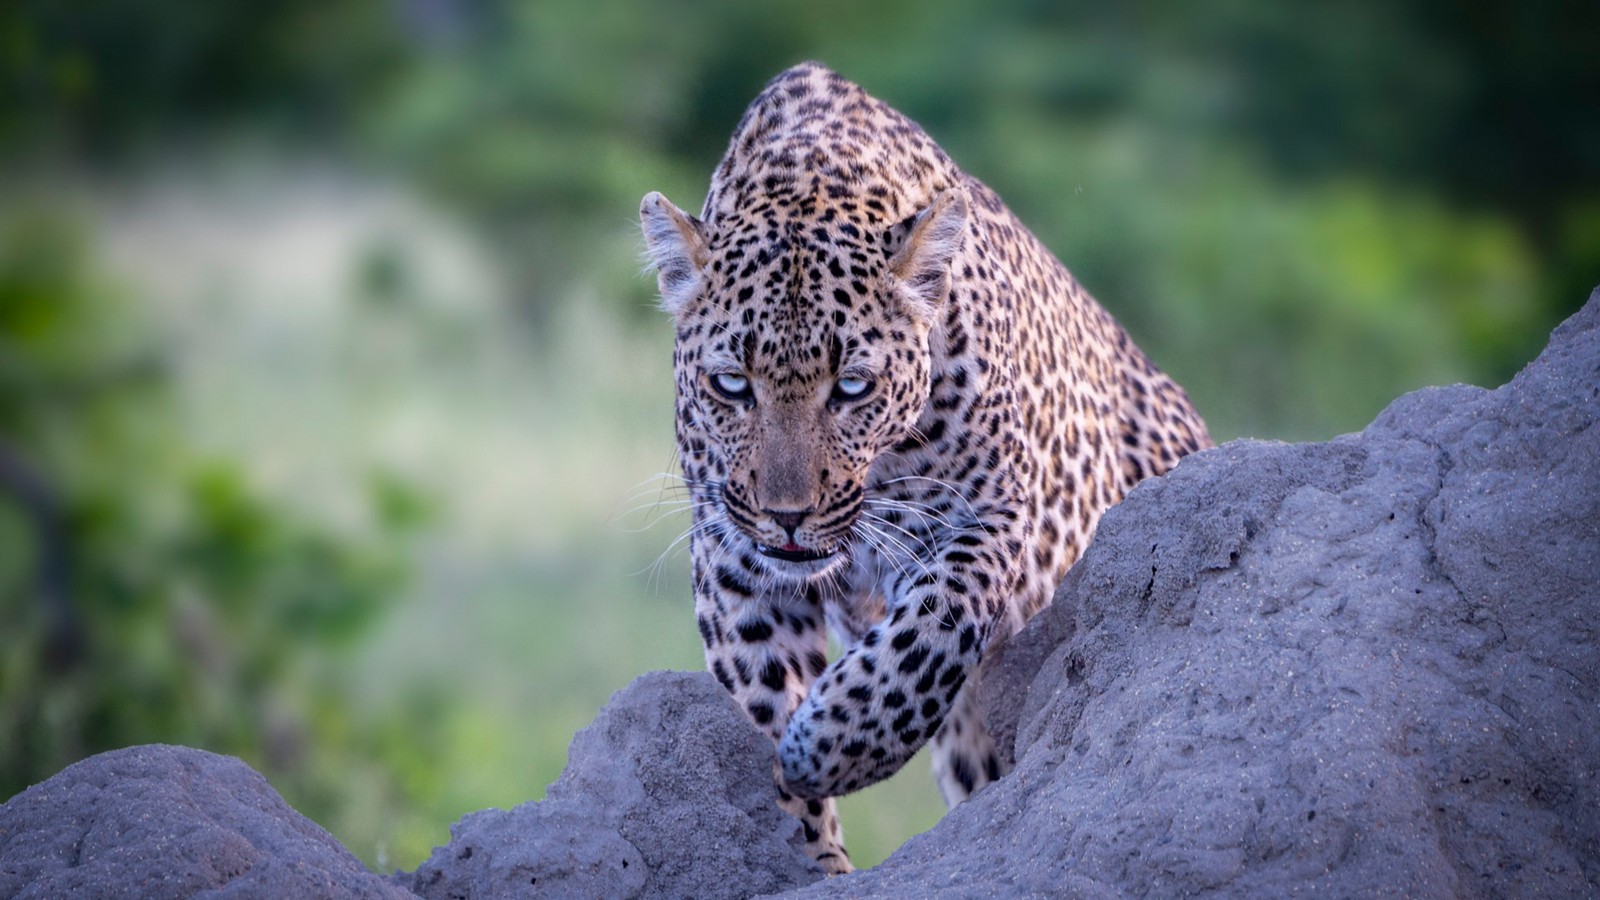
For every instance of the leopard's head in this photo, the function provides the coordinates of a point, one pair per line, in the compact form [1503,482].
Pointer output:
[802,355]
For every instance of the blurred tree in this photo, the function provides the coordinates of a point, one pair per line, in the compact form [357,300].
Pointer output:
[148,594]
[100,83]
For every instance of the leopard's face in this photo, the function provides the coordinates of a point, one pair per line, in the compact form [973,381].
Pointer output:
[802,356]
[796,369]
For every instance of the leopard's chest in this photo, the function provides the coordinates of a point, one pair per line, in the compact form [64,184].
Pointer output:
[906,520]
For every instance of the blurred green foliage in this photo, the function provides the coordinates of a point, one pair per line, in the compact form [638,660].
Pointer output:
[1299,210]
[1180,159]
[152,595]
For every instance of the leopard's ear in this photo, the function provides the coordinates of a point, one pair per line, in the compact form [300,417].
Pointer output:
[675,246]
[922,248]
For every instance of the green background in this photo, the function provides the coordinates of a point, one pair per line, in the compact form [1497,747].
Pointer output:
[332,400]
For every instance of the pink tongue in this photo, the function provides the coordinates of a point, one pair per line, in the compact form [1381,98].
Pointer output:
[792,548]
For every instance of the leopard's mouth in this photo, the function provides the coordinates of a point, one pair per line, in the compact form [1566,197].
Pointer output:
[793,553]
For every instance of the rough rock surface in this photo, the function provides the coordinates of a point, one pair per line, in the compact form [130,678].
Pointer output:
[1367,667]
[669,793]
[159,821]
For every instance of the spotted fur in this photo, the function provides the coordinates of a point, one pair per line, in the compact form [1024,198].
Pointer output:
[898,416]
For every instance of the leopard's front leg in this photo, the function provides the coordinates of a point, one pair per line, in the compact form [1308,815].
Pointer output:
[888,694]
[767,655]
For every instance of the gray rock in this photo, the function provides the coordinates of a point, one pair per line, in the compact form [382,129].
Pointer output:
[668,793]
[1364,667]
[158,822]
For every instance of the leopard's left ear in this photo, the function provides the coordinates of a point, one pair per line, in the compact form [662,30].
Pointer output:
[675,243]
[923,247]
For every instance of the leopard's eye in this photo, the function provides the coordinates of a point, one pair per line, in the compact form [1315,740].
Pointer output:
[851,388]
[731,385]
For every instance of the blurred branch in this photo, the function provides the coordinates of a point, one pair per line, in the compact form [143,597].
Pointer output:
[64,638]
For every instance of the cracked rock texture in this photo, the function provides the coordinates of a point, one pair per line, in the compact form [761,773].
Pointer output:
[668,793]
[159,821]
[1367,667]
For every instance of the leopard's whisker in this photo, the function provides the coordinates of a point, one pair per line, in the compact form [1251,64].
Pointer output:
[920,542]
[659,512]
[876,538]
[896,542]
[698,527]
[921,511]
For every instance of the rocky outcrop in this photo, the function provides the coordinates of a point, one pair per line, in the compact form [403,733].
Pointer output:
[1363,667]
[669,793]
[158,822]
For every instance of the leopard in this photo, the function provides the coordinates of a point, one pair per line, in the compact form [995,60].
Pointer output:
[898,419]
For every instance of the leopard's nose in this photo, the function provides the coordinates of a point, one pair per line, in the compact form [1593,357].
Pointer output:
[789,519]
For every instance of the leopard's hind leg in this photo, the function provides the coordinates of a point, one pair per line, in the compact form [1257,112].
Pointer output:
[964,755]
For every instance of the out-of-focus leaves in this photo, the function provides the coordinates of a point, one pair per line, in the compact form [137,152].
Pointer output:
[99,81]
[204,607]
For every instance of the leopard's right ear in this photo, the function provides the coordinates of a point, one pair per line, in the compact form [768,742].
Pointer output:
[675,244]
